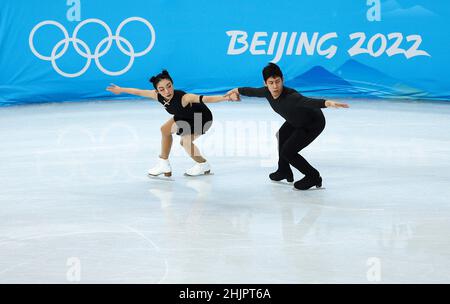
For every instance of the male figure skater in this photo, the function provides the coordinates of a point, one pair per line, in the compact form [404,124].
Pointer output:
[304,122]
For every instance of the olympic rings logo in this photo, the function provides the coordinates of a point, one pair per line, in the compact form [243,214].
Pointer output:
[87,53]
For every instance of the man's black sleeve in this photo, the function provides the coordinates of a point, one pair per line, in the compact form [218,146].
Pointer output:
[309,102]
[252,92]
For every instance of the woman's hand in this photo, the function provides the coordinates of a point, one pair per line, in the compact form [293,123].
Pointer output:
[114,89]
[233,96]
[235,91]
[335,104]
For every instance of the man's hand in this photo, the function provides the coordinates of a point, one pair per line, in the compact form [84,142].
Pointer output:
[335,104]
[235,91]
[114,89]
[233,95]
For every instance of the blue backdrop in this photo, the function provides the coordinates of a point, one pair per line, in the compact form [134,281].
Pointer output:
[71,50]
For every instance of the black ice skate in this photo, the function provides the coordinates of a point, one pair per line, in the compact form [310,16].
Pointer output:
[279,176]
[308,182]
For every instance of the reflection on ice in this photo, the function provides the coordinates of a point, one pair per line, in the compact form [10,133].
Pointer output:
[77,205]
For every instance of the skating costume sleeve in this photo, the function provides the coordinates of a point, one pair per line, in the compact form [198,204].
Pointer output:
[252,92]
[316,103]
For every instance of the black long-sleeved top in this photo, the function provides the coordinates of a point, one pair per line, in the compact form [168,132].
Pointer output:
[297,109]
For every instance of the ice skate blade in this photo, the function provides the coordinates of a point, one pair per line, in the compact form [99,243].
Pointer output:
[313,188]
[282,182]
[167,174]
[159,177]
[204,174]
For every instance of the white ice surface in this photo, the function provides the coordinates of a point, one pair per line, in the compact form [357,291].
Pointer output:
[76,205]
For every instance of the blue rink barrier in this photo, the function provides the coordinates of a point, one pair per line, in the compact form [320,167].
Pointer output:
[71,50]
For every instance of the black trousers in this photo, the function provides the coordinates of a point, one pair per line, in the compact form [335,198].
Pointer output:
[291,141]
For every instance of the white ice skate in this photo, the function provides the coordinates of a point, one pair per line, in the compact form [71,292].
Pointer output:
[163,167]
[199,169]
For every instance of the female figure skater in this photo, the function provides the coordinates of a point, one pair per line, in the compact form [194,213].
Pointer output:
[191,118]
[304,122]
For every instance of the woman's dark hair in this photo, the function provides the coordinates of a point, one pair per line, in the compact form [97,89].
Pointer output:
[157,78]
[271,70]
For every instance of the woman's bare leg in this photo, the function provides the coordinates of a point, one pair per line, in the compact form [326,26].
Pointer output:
[187,141]
[167,129]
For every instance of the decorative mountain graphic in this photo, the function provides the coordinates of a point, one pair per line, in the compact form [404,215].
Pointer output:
[371,80]
[317,76]
[357,72]
[391,8]
[354,78]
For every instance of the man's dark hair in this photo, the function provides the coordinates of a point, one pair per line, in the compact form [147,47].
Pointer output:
[271,70]
[157,78]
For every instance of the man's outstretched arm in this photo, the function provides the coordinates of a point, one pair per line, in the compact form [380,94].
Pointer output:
[250,92]
[319,103]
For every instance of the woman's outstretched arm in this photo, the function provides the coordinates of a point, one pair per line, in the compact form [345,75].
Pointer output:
[145,93]
[193,98]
